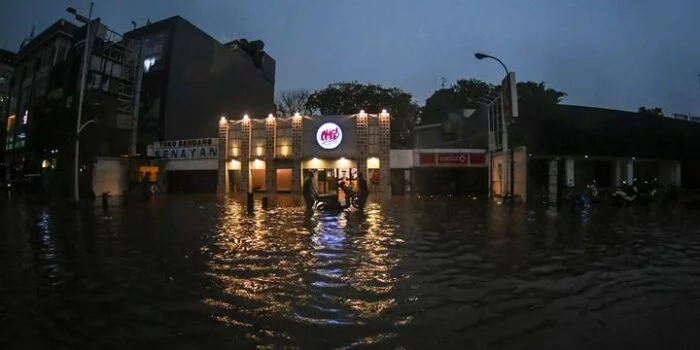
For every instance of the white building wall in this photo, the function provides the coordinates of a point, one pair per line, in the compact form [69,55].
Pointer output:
[401,158]
[109,175]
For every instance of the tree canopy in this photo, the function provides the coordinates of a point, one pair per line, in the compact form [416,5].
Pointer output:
[464,94]
[351,97]
[653,111]
[474,93]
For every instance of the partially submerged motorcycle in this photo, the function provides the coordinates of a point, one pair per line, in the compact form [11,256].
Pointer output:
[331,203]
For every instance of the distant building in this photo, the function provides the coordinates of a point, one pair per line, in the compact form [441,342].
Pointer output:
[33,82]
[685,117]
[190,80]
[45,93]
[7,61]
[449,157]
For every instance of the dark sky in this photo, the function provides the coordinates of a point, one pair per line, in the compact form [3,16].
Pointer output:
[610,53]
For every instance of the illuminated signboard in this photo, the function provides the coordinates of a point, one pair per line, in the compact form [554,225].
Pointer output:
[329,135]
[185,149]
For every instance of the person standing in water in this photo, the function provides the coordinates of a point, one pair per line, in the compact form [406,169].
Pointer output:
[309,191]
[363,190]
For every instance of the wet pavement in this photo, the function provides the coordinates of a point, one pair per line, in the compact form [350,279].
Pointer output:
[185,272]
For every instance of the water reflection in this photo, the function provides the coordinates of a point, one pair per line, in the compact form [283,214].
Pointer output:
[198,272]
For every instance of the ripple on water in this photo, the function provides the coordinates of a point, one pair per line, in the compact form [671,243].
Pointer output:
[414,273]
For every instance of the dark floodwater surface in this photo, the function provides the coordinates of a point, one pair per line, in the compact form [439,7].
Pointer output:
[197,273]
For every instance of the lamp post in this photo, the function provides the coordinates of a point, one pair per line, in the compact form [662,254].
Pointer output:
[508,156]
[79,127]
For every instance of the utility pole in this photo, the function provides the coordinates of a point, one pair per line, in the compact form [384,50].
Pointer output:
[138,76]
[78,126]
[508,156]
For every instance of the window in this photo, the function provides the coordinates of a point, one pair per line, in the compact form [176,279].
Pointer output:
[51,57]
[61,56]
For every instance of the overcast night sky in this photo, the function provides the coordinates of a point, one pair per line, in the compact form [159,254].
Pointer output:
[608,53]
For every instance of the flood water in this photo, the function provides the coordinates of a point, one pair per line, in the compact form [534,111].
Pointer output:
[432,273]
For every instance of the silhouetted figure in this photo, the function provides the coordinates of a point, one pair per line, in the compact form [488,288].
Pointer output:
[363,189]
[145,187]
[309,191]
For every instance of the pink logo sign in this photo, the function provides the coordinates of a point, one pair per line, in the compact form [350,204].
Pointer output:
[329,135]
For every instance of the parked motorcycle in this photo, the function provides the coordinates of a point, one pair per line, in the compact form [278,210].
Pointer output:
[330,202]
[593,194]
[586,197]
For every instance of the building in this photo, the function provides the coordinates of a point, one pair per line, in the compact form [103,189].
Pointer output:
[190,78]
[44,102]
[685,117]
[271,155]
[187,80]
[571,146]
[35,82]
[449,157]
[7,62]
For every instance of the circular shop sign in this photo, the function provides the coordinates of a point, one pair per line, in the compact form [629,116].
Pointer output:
[329,136]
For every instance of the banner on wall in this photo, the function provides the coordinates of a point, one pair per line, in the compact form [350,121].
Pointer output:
[185,149]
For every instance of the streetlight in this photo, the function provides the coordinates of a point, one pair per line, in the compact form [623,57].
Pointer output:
[481,56]
[79,127]
[506,154]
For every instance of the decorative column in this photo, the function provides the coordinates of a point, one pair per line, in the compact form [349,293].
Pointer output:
[618,172]
[222,184]
[362,143]
[270,169]
[297,123]
[384,153]
[570,180]
[677,178]
[245,154]
[629,171]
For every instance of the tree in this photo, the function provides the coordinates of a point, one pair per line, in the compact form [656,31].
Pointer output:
[472,93]
[350,97]
[539,92]
[536,98]
[293,101]
[464,94]
[655,111]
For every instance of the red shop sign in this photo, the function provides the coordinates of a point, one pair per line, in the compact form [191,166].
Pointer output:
[426,159]
[452,158]
[477,158]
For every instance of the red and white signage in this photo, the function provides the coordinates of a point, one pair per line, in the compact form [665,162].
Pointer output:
[453,158]
[477,159]
[426,158]
[329,135]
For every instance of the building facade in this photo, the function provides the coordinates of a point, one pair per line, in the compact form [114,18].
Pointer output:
[189,78]
[450,157]
[272,154]
[38,79]
[7,62]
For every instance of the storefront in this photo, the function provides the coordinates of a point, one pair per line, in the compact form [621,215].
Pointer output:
[183,166]
[272,154]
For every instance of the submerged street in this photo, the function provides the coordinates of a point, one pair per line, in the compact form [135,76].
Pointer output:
[184,272]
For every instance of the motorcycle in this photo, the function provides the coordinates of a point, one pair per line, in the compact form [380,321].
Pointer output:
[589,196]
[626,194]
[330,202]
